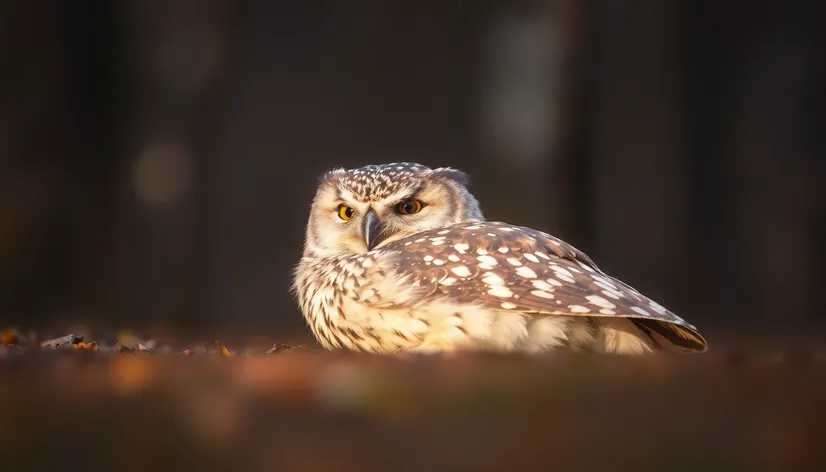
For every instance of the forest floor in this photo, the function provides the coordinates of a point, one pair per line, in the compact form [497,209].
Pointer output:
[132,404]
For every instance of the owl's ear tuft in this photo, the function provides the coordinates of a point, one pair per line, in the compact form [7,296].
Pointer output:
[455,175]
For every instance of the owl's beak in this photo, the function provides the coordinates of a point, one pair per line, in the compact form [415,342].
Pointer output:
[372,230]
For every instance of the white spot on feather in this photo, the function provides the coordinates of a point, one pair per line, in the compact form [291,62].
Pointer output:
[554,282]
[500,291]
[526,272]
[641,311]
[585,266]
[461,271]
[562,271]
[487,260]
[610,293]
[542,285]
[600,302]
[542,294]
[493,279]
[657,307]
[600,279]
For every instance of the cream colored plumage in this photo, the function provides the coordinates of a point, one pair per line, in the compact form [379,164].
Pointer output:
[398,257]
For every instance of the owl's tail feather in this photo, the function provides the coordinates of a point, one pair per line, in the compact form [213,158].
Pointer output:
[672,336]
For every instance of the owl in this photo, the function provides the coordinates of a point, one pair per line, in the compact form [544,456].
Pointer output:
[399,258]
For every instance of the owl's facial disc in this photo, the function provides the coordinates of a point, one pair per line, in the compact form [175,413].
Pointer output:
[359,210]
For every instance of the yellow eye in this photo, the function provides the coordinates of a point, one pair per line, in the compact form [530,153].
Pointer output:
[345,212]
[410,207]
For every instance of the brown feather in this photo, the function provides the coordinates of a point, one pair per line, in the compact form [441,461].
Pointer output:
[540,275]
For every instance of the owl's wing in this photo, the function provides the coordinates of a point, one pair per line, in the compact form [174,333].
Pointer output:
[517,269]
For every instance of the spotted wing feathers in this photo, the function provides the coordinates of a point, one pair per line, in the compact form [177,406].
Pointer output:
[513,268]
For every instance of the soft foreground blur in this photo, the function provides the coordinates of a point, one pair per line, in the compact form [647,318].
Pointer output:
[81,409]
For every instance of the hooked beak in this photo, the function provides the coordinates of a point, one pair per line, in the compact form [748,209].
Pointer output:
[372,230]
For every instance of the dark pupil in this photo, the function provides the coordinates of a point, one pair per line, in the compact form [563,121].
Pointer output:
[348,212]
[409,208]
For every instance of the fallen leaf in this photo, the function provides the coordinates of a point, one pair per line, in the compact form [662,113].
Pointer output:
[277,348]
[64,341]
[9,337]
[223,350]
[123,349]
[81,345]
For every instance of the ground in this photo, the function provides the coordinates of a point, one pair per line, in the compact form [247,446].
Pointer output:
[73,403]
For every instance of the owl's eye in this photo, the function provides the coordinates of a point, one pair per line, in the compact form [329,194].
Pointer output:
[345,212]
[410,207]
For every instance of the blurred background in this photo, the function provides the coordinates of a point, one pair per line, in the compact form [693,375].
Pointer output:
[158,158]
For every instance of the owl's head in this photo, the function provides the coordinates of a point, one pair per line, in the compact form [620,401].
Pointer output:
[357,210]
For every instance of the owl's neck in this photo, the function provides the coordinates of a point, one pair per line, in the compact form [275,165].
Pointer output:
[316,253]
